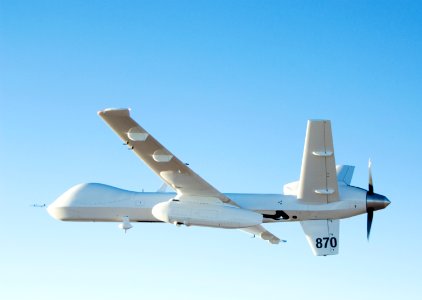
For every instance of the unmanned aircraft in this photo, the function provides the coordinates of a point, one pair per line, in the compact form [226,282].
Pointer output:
[322,196]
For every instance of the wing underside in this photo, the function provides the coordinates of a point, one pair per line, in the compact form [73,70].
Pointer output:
[264,234]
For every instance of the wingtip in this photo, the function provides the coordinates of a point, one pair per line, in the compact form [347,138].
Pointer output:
[115,111]
[319,121]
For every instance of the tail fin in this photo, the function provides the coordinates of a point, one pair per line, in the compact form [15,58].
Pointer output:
[322,236]
[345,173]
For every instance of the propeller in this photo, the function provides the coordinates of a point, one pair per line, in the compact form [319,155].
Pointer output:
[373,201]
[369,222]
[370,211]
[370,183]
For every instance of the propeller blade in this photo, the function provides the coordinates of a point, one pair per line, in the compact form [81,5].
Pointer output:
[369,222]
[370,183]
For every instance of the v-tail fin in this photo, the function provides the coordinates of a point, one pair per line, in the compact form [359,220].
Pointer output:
[322,236]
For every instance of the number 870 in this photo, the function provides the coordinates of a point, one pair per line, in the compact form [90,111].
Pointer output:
[323,242]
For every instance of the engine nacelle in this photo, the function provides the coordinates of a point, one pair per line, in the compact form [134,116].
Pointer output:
[205,214]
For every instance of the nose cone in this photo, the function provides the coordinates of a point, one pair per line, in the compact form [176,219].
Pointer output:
[376,201]
[52,211]
[57,211]
[62,208]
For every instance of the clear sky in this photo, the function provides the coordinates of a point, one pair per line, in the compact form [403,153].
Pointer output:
[228,87]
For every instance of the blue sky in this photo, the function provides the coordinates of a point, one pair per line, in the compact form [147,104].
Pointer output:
[228,87]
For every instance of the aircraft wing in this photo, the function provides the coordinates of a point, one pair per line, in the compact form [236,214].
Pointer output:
[170,169]
[263,233]
[318,177]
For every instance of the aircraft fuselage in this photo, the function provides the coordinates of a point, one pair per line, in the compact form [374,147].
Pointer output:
[102,203]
